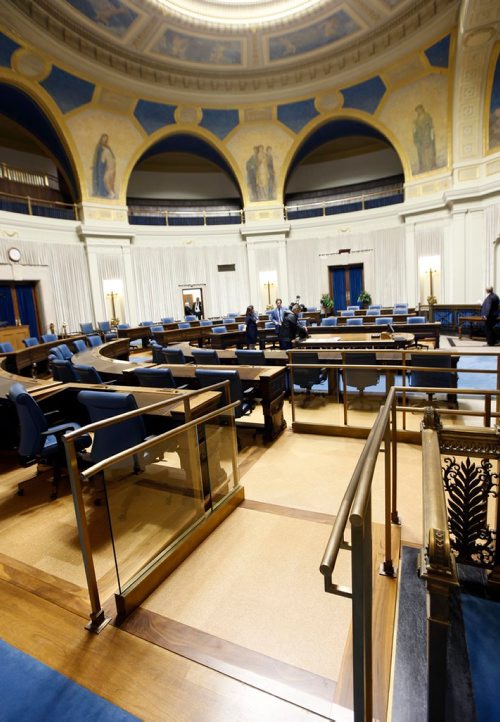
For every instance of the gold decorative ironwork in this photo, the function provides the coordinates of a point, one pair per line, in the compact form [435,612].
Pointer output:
[468,486]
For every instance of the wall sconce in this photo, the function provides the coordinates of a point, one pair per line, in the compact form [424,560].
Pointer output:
[430,265]
[112,290]
[268,279]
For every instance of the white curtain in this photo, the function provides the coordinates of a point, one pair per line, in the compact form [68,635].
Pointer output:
[382,253]
[161,273]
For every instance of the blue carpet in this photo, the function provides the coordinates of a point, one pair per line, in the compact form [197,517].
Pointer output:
[482,632]
[32,692]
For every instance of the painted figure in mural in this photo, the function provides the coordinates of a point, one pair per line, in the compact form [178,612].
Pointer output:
[423,137]
[251,175]
[104,169]
[270,172]
[261,174]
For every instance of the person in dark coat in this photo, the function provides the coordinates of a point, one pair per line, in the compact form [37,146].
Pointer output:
[251,327]
[489,311]
[290,328]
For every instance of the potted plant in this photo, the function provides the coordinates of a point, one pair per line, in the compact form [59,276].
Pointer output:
[326,303]
[364,299]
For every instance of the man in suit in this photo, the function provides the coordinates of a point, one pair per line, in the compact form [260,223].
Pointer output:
[198,309]
[290,328]
[489,311]
[278,314]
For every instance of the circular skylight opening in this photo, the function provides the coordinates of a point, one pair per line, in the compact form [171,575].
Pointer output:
[234,12]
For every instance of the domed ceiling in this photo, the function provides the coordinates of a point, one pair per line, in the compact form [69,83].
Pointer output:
[223,49]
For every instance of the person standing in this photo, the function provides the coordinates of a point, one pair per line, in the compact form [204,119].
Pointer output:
[198,309]
[290,328]
[251,327]
[278,313]
[489,311]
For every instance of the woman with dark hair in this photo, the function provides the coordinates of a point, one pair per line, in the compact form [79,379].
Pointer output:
[251,327]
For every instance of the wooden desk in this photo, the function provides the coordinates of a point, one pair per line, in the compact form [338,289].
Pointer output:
[471,321]
[356,340]
[271,383]
[17,361]
[15,335]
[419,331]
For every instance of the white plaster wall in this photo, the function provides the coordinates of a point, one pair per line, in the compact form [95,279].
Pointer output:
[182,186]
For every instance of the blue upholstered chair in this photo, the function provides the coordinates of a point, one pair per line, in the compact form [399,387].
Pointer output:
[117,437]
[233,314]
[208,377]
[6,347]
[434,379]
[205,356]
[105,328]
[167,319]
[347,312]
[146,323]
[40,442]
[219,329]
[241,326]
[307,378]
[183,325]
[415,319]
[48,337]
[31,341]
[63,370]
[206,322]
[361,378]
[190,318]
[375,307]
[228,319]
[353,308]
[86,328]
[312,309]
[159,378]
[373,312]
[269,325]
[250,357]
[383,320]
[123,325]
[399,311]
[62,351]
[94,341]
[87,374]
[354,321]
[329,321]
[80,345]
[156,352]
[173,355]
[156,329]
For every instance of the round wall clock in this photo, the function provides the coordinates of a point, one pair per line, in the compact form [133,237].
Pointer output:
[14,254]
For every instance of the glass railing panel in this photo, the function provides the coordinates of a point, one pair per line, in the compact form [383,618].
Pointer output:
[219,457]
[151,499]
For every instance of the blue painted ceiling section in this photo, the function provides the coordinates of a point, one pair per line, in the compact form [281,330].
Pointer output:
[7,47]
[153,116]
[20,108]
[438,54]
[333,130]
[68,91]
[220,122]
[185,143]
[296,115]
[365,96]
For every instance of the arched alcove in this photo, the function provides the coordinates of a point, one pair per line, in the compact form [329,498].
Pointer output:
[345,160]
[182,174]
[31,143]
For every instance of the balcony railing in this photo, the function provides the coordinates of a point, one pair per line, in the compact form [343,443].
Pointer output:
[38,207]
[202,217]
[346,202]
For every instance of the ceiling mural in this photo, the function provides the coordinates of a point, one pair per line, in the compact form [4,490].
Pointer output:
[243,48]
